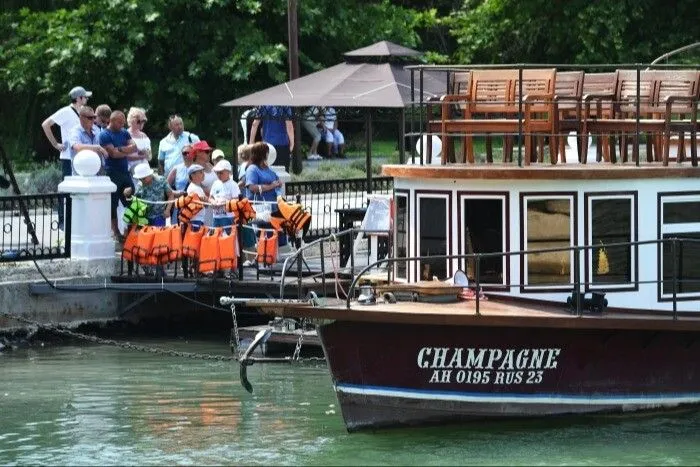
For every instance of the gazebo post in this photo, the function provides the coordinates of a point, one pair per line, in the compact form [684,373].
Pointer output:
[368,145]
[402,136]
[234,132]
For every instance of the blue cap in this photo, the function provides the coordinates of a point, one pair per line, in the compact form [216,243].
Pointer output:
[194,168]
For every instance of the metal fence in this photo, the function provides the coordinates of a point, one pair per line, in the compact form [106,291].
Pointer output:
[30,227]
[324,198]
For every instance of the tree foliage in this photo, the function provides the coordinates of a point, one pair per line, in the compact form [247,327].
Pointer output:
[189,56]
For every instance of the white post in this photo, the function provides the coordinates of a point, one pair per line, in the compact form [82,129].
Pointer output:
[91,225]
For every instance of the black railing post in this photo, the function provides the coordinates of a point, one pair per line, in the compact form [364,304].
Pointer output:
[520,116]
[674,278]
[323,268]
[477,273]
[577,281]
[636,122]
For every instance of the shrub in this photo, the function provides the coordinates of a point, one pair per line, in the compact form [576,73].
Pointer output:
[44,179]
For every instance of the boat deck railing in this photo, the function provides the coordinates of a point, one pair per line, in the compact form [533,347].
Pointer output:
[527,104]
[676,244]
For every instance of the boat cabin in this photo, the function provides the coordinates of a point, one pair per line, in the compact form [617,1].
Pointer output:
[607,223]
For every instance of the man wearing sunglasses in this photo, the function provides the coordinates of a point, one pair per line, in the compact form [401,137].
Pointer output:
[85,136]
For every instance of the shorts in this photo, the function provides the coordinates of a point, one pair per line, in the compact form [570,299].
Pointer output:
[334,137]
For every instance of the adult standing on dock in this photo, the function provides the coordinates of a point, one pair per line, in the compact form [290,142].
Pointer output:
[120,147]
[68,119]
[170,147]
[277,130]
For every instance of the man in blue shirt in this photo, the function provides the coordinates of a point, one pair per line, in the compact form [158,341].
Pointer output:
[170,147]
[85,136]
[120,148]
[277,130]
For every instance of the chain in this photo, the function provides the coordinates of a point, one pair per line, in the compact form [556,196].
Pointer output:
[124,345]
[297,349]
[236,344]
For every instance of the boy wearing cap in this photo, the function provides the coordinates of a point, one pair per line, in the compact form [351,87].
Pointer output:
[224,189]
[196,174]
[155,189]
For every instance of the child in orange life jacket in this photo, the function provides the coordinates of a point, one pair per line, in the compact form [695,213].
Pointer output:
[196,174]
[222,190]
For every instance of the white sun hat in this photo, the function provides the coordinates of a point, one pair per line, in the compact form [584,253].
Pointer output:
[142,170]
[223,165]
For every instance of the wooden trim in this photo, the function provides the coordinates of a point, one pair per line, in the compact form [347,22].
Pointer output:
[573,196]
[407,195]
[601,171]
[523,315]
[635,249]
[440,194]
[505,198]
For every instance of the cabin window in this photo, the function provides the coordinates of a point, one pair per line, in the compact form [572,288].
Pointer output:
[681,219]
[433,239]
[483,230]
[401,240]
[611,218]
[548,223]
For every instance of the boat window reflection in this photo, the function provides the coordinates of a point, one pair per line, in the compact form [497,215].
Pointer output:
[401,234]
[483,232]
[611,221]
[433,219]
[549,224]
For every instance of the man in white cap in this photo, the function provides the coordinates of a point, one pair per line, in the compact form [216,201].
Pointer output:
[67,118]
[154,189]
[223,190]
[216,156]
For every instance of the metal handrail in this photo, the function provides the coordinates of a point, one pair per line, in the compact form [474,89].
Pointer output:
[298,256]
[577,249]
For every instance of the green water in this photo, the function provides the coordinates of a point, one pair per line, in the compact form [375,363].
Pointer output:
[100,405]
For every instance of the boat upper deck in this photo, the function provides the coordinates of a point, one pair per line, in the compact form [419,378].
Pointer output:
[502,171]
[492,312]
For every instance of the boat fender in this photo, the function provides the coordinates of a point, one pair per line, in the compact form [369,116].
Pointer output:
[389,297]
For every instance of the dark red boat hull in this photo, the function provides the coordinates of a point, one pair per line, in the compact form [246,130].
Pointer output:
[409,374]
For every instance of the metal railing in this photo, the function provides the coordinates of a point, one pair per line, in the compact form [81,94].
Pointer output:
[30,227]
[419,108]
[323,198]
[576,285]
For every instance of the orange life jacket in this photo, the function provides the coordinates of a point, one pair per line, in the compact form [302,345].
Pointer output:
[161,242]
[188,207]
[209,252]
[175,244]
[144,245]
[267,249]
[192,240]
[228,243]
[130,243]
[241,209]
[294,214]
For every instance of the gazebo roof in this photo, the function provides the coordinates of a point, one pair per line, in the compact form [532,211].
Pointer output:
[353,83]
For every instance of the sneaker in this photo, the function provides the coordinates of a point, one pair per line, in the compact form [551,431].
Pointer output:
[315,157]
[247,263]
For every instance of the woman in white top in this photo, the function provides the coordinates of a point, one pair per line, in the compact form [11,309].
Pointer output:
[136,119]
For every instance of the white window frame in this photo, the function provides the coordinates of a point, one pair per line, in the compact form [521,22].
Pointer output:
[677,228]
[407,197]
[463,197]
[448,233]
[590,197]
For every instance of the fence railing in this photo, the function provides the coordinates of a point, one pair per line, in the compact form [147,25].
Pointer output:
[31,228]
[323,198]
